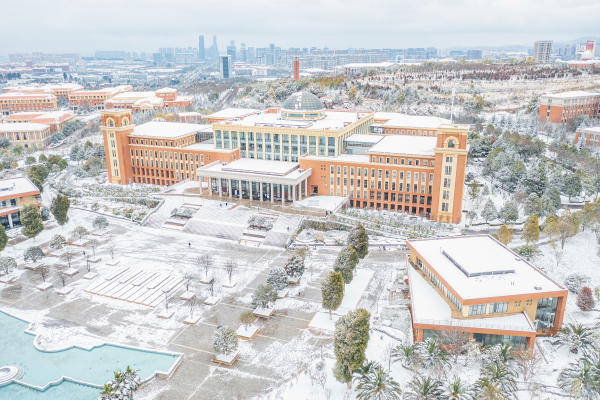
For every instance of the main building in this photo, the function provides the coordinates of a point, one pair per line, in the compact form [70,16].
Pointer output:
[284,154]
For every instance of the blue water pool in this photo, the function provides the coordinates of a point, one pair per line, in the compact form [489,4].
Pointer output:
[93,366]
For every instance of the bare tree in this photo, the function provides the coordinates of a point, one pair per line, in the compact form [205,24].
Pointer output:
[188,279]
[192,303]
[94,243]
[63,278]
[230,266]
[87,263]
[454,337]
[206,262]
[211,287]
[69,256]
[167,300]
[387,355]
[111,250]
[529,363]
[43,271]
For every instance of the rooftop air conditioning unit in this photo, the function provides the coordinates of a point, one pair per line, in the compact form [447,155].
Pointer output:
[300,170]
[225,163]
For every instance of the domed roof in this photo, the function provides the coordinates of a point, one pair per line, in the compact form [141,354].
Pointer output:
[587,55]
[303,101]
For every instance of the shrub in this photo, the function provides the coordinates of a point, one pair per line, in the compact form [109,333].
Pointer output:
[585,299]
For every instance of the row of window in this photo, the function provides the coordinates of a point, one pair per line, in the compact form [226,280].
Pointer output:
[380,173]
[389,160]
[439,284]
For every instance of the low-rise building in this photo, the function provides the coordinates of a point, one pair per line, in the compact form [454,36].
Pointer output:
[477,286]
[15,102]
[402,124]
[589,137]
[15,193]
[27,134]
[230,113]
[57,120]
[95,99]
[139,101]
[563,106]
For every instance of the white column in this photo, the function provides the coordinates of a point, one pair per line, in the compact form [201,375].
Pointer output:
[200,183]
[240,188]
[10,221]
[229,187]
[293,193]
[220,187]
[260,186]
[251,190]
[306,187]
[271,186]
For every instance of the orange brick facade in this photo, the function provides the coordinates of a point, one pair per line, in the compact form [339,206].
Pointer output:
[562,107]
[16,102]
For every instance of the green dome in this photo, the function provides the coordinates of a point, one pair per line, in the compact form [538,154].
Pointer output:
[303,101]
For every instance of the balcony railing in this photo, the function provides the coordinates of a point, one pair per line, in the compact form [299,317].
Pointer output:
[466,324]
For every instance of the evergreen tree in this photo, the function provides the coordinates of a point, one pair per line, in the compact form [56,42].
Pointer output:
[332,291]
[585,299]
[531,230]
[504,235]
[377,384]
[350,342]
[225,340]
[3,238]
[572,185]
[535,180]
[33,254]
[100,222]
[277,279]
[345,263]
[31,221]
[264,296]
[359,240]
[508,212]
[57,242]
[294,267]
[59,208]
[489,212]
[533,205]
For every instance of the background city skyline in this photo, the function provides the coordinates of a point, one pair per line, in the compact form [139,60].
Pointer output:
[135,26]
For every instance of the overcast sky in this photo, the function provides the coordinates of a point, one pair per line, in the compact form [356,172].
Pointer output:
[144,25]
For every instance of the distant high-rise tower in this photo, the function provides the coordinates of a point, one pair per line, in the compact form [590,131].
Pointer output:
[542,51]
[215,49]
[201,47]
[225,67]
[231,51]
[296,68]
[243,53]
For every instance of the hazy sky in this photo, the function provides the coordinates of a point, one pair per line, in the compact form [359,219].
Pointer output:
[144,25]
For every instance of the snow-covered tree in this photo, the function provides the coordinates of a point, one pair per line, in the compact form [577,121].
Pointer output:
[332,291]
[432,355]
[294,267]
[457,389]
[264,296]
[489,212]
[122,387]
[277,279]
[576,337]
[509,212]
[407,354]
[377,384]
[247,319]
[585,299]
[7,264]
[33,254]
[531,230]
[100,222]
[225,340]
[533,205]
[580,378]
[58,242]
[345,263]
[359,240]
[572,185]
[79,232]
[423,387]
[350,341]
[497,381]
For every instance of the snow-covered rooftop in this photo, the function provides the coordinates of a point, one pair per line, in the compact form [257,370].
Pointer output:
[386,115]
[189,114]
[402,144]
[167,130]
[333,120]
[429,307]
[571,94]
[24,127]
[503,272]
[16,186]
[416,121]
[207,147]
[361,138]
[360,158]
[266,167]
[592,129]
[233,113]
[54,116]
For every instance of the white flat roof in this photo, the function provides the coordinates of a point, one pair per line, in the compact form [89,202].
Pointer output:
[593,129]
[334,120]
[403,144]
[386,115]
[266,167]
[23,127]
[428,307]
[232,113]
[16,186]
[167,130]
[416,121]
[206,147]
[480,254]
[572,93]
[361,158]
[361,138]
[189,114]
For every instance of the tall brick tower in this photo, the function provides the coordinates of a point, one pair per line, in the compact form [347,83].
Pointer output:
[116,125]
[296,68]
